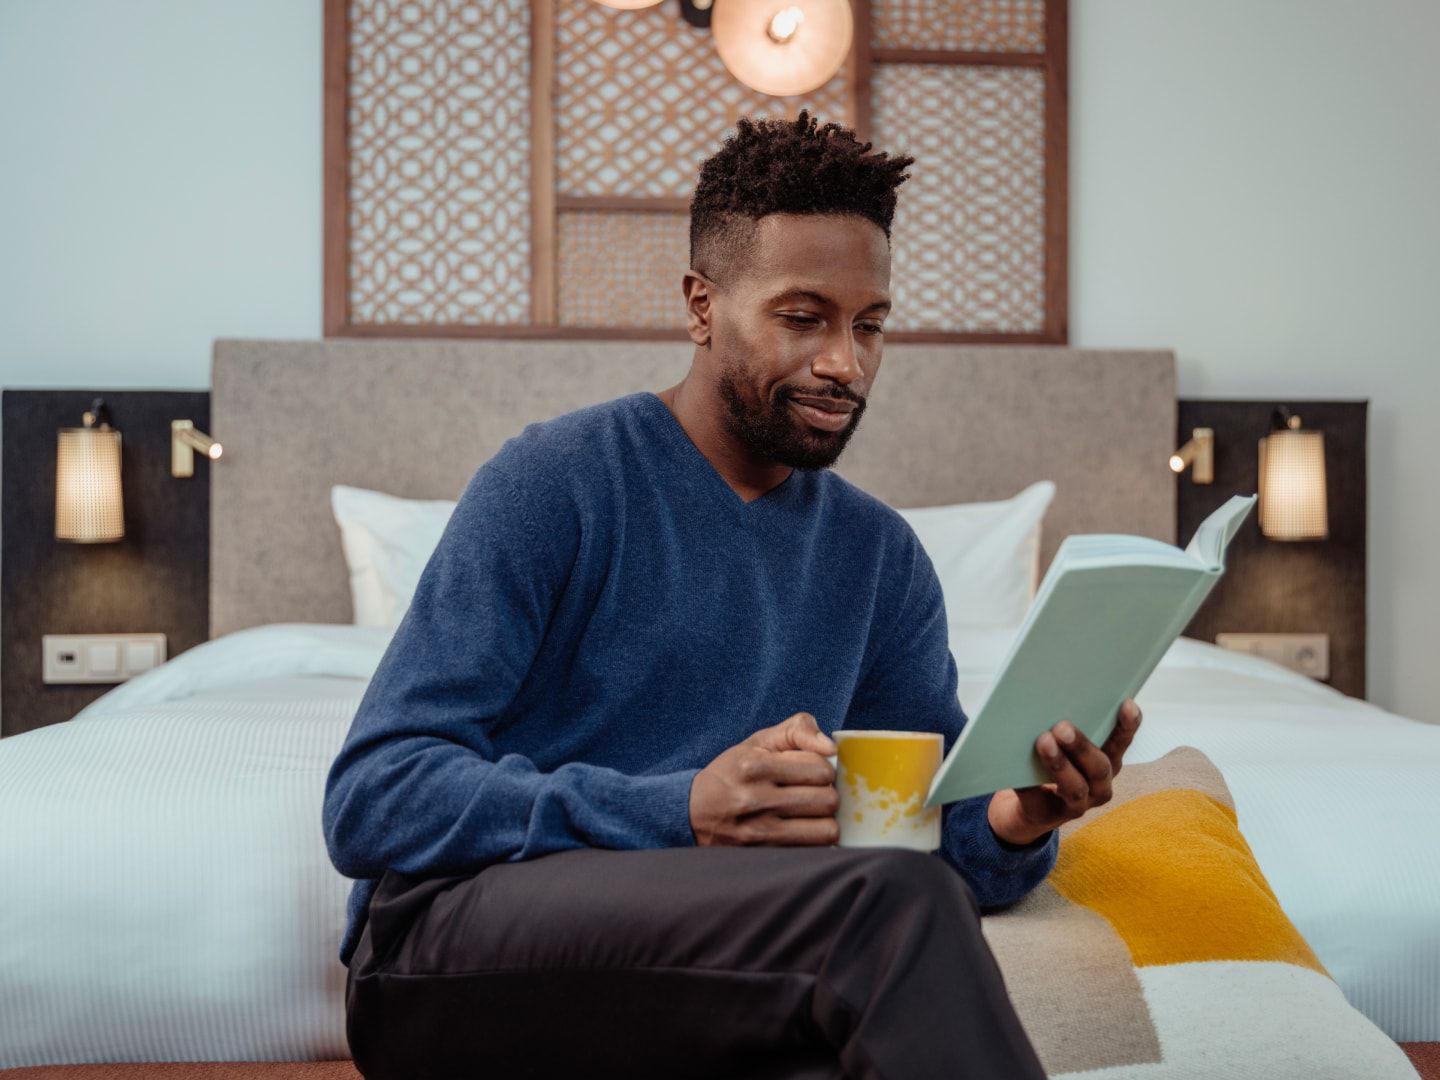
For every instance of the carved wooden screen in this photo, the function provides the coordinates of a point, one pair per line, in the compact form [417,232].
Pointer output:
[524,167]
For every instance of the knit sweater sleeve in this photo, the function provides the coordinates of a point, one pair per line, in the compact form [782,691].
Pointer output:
[911,685]
[418,786]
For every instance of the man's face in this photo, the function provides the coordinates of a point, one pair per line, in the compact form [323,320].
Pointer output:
[796,335]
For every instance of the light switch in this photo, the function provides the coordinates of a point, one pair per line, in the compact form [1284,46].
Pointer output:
[103,658]
[140,656]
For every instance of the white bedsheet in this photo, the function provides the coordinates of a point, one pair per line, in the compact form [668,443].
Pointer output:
[168,896]
[167,892]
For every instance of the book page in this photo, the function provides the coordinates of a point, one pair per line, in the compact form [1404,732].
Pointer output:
[1213,536]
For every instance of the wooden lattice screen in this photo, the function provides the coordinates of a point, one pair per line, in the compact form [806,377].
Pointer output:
[524,167]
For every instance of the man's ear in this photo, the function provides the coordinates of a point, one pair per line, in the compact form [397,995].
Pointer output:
[697,307]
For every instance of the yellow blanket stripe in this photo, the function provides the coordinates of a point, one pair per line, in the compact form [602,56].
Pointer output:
[1173,875]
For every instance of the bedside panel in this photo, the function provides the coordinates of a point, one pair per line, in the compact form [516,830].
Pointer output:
[1285,587]
[154,579]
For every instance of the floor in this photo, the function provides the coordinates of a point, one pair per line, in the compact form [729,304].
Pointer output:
[1426,1057]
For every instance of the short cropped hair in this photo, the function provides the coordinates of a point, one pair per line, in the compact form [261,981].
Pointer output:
[785,167]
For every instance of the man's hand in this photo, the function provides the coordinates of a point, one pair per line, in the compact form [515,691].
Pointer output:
[1082,772]
[774,788]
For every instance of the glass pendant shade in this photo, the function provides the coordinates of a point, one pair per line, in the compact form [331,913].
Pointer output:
[88,504]
[782,47]
[1293,503]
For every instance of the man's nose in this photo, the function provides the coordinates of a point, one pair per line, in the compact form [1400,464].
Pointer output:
[838,360]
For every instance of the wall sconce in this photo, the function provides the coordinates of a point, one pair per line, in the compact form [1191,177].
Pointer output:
[1293,504]
[184,441]
[89,506]
[1199,454]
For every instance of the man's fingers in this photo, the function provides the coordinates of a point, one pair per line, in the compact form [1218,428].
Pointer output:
[1070,785]
[796,801]
[1092,762]
[790,767]
[1127,722]
[795,831]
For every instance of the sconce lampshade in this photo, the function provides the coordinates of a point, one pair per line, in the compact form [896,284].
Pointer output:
[1293,502]
[782,47]
[88,504]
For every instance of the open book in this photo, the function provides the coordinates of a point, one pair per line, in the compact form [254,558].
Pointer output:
[1108,609]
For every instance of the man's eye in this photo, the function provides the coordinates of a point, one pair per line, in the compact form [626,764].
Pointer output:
[800,320]
[872,328]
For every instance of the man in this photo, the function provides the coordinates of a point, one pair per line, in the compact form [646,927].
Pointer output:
[586,791]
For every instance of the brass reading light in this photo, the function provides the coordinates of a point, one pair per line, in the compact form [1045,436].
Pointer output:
[184,441]
[1198,454]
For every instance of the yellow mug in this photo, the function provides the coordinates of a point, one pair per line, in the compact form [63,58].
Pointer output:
[883,778]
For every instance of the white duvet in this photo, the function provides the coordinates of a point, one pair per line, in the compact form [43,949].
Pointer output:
[167,895]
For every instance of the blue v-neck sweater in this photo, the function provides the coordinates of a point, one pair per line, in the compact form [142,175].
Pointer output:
[601,618]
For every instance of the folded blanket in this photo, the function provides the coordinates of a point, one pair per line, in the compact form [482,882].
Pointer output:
[1157,949]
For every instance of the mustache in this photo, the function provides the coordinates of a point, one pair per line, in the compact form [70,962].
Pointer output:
[834,392]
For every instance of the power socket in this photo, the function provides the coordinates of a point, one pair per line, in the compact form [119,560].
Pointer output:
[1309,654]
[99,658]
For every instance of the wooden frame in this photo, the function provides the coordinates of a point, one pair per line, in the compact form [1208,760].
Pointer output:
[335,212]
[546,205]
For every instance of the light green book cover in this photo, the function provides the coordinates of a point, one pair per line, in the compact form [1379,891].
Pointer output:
[1108,609]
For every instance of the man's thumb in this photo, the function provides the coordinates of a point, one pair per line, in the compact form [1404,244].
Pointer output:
[799,732]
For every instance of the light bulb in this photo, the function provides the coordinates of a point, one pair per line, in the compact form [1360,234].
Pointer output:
[784,24]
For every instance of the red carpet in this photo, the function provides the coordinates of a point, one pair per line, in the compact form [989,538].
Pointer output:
[1425,1057]
[210,1070]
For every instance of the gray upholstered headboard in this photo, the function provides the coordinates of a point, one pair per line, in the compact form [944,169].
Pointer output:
[415,418]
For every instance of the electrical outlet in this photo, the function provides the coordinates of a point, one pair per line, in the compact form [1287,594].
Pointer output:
[1308,654]
[99,658]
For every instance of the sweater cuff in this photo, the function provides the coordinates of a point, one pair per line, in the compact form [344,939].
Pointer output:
[664,803]
[999,873]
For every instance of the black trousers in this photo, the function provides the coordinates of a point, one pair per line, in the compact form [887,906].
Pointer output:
[764,963]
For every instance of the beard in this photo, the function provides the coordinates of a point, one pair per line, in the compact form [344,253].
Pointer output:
[773,431]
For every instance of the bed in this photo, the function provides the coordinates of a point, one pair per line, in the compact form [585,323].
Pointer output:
[168,893]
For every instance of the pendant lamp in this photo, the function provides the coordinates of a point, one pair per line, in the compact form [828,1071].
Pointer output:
[782,47]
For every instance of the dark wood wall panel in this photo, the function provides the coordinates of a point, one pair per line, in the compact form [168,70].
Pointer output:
[1311,586]
[155,579]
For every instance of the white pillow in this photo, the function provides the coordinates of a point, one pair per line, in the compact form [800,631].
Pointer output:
[986,554]
[387,542]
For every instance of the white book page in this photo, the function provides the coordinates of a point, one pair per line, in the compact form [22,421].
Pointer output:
[1207,546]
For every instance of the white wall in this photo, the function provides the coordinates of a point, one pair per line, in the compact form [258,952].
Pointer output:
[1253,184]
[160,185]
[1256,183]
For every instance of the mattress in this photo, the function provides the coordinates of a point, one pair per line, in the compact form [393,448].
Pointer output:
[169,897]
